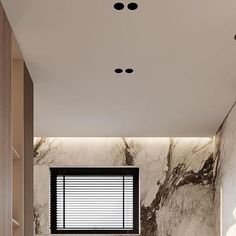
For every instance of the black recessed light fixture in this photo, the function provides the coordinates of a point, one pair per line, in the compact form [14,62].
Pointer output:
[118,70]
[129,71]
[235,36]
[132,6]
[119,6]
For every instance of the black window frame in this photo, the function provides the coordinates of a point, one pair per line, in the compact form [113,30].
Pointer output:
[111,171]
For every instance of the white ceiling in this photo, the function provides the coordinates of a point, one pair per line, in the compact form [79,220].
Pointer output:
[183,54]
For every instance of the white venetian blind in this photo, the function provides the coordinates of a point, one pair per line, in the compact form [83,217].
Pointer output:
[94,202]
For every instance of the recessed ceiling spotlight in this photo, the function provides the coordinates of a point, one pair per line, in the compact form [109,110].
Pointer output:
[132,6]
[129,71]
[119,6]
[235,36]
[118,70]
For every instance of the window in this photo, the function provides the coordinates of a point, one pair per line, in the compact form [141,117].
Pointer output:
[94,200]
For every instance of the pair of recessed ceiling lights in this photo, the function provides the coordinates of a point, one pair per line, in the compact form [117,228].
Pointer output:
[119,6]
[131,6]
[119,70]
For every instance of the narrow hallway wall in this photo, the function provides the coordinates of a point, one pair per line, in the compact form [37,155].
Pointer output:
[226,152]
[5,125]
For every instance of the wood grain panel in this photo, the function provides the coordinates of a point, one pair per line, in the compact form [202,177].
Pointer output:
[28,153]
[5,126]
[17,89]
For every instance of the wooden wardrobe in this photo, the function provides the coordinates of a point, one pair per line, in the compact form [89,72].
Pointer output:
[16,137]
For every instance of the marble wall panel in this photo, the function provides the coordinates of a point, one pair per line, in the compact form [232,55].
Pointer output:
[177,179]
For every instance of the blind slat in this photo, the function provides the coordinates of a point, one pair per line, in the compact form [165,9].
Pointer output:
[94,202]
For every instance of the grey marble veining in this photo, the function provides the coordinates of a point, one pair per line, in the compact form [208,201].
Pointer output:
[177,179]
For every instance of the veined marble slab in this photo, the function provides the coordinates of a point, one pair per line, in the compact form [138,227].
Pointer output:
[177,179]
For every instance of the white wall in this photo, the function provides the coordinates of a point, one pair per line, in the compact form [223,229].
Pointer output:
[227,175]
